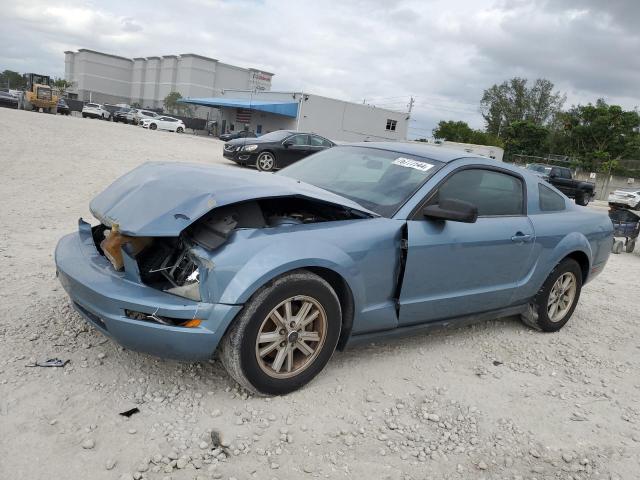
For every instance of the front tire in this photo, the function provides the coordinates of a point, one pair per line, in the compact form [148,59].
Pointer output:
[284,335]
[555,302]
[153,126]
[266,162]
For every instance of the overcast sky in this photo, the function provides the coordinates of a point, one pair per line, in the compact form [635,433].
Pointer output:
[444,53]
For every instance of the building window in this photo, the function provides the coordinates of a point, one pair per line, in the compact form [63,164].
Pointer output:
[391,124]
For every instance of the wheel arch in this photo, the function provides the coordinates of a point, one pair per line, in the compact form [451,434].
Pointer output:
[345,295]
[337,282]
[583,260]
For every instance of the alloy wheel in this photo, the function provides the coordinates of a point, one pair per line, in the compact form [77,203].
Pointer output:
[562,296]
[265,162]
[291,337]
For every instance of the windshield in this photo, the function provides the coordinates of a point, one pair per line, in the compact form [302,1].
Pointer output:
[539,168]
[275,136]
[379,180]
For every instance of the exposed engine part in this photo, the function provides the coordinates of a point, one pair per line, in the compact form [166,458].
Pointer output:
[112,243]
[166,264]
[214,228]
[190,290]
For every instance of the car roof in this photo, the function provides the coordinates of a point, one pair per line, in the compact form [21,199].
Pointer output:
[432,152]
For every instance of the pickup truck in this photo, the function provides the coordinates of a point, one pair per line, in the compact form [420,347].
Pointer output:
[562,179]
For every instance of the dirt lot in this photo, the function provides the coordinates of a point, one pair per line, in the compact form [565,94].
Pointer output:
[494,400]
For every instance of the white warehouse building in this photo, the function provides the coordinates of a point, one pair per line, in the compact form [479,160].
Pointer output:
[105,78]
[232,98]
[263,112]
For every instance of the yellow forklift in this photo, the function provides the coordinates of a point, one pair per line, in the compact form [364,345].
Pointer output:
[38,94]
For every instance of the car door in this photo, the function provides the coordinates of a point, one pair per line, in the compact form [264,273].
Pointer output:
[294,148]
[455,269]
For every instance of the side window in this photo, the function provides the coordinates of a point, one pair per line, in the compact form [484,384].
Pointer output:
[550,201]
[494,193]
[300,139]
[316,141]
[566,173]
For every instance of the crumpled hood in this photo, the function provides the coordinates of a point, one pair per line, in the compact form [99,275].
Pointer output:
[160,199]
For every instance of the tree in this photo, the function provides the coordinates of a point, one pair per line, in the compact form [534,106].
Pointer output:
[513,101]
[172,106]
[12,80]
[600,133]
[459,131]
[171,102]
[62,85]
[453,131]
[526,138]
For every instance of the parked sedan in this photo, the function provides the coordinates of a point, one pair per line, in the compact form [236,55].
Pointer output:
[8,99]
[63,108]
[95,110]
[142,115]
[273,272]
[121,114]
[275,150]
[625,198]
[164,123]
[239,134]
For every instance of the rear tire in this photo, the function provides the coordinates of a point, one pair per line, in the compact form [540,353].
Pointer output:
[273,353]
[556,300]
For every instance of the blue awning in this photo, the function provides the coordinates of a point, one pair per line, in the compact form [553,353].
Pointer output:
[288,109]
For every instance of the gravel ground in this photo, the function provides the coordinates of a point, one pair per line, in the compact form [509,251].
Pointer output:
[493,401]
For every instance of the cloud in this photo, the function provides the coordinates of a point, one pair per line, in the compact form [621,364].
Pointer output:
[444,53]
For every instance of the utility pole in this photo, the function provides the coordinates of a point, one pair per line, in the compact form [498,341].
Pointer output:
[411,102]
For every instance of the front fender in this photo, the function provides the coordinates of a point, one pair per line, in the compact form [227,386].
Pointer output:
[254,258]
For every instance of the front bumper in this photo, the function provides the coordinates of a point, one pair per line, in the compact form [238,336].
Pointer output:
[240,157]
[100,295]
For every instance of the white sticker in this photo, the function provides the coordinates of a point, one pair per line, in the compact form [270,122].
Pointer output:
[409,163]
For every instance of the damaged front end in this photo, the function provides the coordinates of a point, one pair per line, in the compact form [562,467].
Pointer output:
[166,264]
[180,265]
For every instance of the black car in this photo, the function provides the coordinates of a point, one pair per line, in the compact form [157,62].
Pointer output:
[7,99]
[120,115]
[275,150]
[239,134]
[63,108]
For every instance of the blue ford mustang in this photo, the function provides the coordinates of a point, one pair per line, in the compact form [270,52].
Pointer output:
[273,272]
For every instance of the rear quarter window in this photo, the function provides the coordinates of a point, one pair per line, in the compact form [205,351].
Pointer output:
[550,201]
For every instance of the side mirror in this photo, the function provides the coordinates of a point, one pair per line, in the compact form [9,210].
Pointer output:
[454,210]
[287,143]
[553,175]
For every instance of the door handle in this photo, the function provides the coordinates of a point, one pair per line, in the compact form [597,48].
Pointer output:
[521,237]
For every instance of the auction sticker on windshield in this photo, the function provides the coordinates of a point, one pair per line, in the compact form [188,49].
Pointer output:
[409,163]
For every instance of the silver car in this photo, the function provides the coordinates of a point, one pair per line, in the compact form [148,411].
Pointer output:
[142,115]
[625,198]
